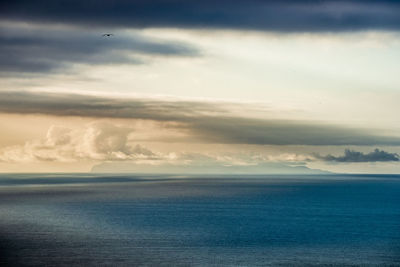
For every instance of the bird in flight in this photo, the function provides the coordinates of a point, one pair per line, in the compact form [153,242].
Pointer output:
[107,35]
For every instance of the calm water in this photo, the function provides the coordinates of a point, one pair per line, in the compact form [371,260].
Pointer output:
[90,220]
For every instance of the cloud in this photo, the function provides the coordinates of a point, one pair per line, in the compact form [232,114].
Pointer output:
[102,107]
[204,122]
[282,16]
[355,156]
[241,130]
[99,141]
[41,50]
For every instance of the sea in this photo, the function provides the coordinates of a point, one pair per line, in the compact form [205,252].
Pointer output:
[199,220]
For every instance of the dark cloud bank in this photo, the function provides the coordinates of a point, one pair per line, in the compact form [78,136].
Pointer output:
[355,156]
[205,121]
[282,16]
[41,50]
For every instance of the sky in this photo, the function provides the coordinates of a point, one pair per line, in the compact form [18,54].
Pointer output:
[200,86]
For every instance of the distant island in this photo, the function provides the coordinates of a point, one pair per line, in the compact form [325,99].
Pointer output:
[264,168]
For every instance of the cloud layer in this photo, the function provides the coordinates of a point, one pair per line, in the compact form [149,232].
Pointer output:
[355,156]
[41,49]
[283,16]
[205,122]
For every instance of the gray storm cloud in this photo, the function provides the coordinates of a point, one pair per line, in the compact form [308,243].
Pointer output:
[42,50]
[206,122]
[281,16]
[355,156]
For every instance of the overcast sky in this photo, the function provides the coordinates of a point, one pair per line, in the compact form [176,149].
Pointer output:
[200,83]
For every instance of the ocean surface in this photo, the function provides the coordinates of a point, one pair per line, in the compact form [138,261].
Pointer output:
[171,220]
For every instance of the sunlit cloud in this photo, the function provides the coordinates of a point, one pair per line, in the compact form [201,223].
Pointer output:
[98,141]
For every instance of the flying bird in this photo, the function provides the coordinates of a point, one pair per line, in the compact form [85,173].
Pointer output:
[107,35]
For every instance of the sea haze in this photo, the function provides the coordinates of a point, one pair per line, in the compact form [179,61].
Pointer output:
[170,220]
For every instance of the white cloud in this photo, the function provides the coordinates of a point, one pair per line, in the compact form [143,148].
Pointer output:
[98,141]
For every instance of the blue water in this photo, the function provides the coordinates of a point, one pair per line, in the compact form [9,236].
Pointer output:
[122,220]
